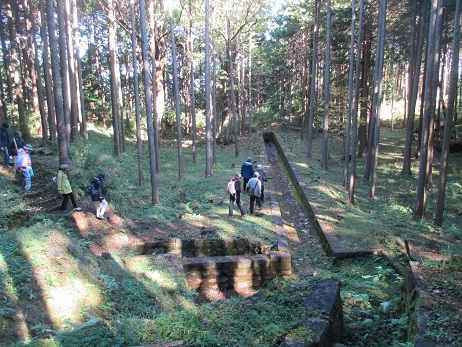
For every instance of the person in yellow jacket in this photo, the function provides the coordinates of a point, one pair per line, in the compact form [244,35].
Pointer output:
[64,188]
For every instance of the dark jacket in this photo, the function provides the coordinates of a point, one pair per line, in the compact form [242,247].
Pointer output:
[237,186]
[19,144]
[247,170]
[262,176]
[99,188]
[4,137]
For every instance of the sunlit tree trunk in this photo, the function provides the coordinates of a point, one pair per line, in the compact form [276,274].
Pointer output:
[57,85]
[156,117]
[377,104]
[347,152]
[208,97]
[431,66]
[177,101]
[452,92]
[35,74]
[114,73]
[73,116]
[81,117]
[148,105]
[193,97]
[139,143]
[47,74]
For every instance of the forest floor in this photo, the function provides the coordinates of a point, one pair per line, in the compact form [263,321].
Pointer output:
[375,224]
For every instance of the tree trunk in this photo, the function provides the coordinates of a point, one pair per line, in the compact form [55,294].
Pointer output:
[177,102]
[6,60]
[35,74]
[250,84]
[114,81]
[193,98]
[432,58]
[57,85]
[314,63]
[73,98]
[377,105]
[366,66]
[347,152]
[16,74]
[208,101]
[139,143]
[156,87]
[47,74]
[81,116]
[439,207]
[148,105]
[414,77]
[232,98]
[325,131]
[351,187]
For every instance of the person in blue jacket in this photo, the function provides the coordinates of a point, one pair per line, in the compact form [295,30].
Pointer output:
[247,170]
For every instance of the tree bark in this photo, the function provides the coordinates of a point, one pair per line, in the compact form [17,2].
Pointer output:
[57,86]
[325,131]
[148,105]
[177,102]
[452,93]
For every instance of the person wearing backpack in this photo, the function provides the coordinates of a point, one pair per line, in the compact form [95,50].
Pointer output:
[247,170]
[253,188]
[263,179]
[97,197]
[235,195]
[64,188]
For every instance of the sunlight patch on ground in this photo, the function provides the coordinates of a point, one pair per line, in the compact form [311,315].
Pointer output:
[67,302]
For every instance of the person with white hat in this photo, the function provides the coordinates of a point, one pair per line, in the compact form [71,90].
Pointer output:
[263,179]
[24,163]
[64,188]
[253,188]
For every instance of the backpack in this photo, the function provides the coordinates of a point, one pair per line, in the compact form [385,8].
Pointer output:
[231,189]
[91,190]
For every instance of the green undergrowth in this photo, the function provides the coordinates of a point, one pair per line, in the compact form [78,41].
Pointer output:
[56,293]
[383,223]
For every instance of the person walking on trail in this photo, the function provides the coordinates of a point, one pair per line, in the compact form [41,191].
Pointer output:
[24,163]
[64,188]
[98,200]
[16,143]
[263,179]
[247,170]
[253,188]
[4,143]
[236,197]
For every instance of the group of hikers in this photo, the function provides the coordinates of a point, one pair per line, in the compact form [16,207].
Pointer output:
[254,185]
[16,154]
